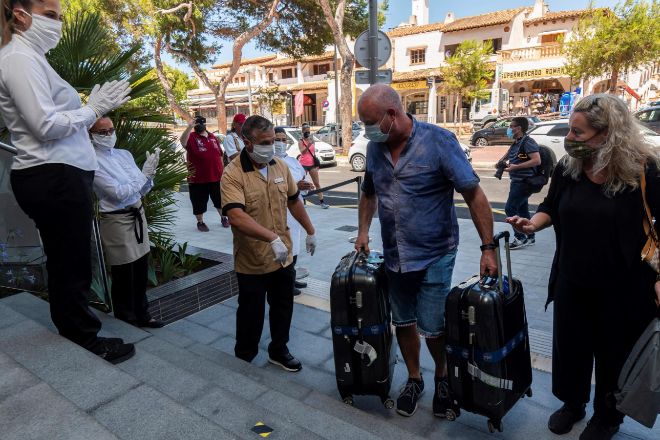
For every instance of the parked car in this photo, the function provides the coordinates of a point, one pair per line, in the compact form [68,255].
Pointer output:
[649,117]
[552,133]
[496,133]
[357,154]
[327,133]
[323,150]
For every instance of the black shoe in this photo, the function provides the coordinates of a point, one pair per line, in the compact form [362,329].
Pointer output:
[441,398]
[297,292]
[201,226]
[406,404]
[152,323]
[113,352]
[299,285]
[597,429]
[111,340]
[286,361]
[562,420]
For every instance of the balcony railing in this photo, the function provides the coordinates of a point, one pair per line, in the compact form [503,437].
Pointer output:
[287,81]
[532,53]
[312,78]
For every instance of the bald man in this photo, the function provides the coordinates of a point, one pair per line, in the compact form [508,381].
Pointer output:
[412,171]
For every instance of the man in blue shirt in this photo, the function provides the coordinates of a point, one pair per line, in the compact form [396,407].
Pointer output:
[523,158]
[412,171]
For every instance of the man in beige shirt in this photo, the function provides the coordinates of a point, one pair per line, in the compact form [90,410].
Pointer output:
[257,190]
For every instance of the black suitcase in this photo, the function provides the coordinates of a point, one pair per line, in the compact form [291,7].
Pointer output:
[488,358]
[362,337]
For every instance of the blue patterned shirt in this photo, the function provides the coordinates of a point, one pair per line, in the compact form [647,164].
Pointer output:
[416,196]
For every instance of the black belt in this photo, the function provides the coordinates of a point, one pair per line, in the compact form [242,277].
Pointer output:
[138,225]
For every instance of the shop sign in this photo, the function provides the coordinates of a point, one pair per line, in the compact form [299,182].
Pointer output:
[534,73]
[409,85]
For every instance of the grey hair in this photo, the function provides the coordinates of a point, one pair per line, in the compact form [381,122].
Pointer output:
[625,152]
[255,123]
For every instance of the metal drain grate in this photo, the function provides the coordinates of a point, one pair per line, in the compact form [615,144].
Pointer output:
[347,228]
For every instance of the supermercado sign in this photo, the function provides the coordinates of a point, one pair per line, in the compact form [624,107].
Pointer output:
[534,73]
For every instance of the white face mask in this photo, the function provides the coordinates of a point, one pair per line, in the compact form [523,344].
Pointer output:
[280,149]
[262,153]
[105,143]
[44,34]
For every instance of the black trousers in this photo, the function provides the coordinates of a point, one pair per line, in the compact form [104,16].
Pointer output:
[200,193]
[253,290]
[129,291]
[59,199]
[597,326]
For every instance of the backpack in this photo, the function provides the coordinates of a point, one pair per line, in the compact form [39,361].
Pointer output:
[543,172]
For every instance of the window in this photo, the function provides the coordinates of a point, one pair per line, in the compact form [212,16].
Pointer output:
[418,105]
[560,130]
[649,116]
[450,49]
[496,42]
[551,38]
[288,73]
[501,124]
[417,56]
[321,69]
[270,77]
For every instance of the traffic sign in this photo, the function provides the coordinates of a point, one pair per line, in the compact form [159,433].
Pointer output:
[362,49]
[326,104]
[382,77]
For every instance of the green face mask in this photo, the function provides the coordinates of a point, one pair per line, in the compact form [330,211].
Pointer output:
[579,149]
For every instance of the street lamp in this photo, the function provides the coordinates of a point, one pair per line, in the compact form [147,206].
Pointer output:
[248,71]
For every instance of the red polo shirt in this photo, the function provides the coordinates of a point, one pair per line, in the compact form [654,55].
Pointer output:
[204,158]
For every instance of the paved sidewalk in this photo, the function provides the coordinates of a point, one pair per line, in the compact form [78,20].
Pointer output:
[487,157]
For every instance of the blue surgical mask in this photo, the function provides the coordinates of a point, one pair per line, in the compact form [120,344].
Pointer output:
[509,133]
[374,133]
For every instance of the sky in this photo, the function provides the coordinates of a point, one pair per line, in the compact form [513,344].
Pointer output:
[400,10]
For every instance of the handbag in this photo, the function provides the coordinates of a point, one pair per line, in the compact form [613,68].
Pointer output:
[651,249]
[317,162]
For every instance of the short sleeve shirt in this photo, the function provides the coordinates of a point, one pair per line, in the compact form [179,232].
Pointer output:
[204,158]
[518,153]
[265,199]
[233,144]
[416,196]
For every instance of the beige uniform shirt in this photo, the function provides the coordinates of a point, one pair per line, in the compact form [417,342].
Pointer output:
[265,200]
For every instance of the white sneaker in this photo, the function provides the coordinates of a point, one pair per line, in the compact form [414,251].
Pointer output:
[517,244]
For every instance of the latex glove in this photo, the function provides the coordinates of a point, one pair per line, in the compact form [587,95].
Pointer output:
[108,97]
[310,244]
[151,164]
[280,251]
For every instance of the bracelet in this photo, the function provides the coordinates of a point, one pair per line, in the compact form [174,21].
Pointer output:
[488,247]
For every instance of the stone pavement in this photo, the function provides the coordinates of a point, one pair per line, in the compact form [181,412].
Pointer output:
[487,157]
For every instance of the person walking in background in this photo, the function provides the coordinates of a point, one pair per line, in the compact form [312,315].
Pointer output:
[53,170]
[309,161]
[233,143]
[257,190]
[521,159]
[298,174]
[204,158]
[604,294]
[412,171]
[120,185]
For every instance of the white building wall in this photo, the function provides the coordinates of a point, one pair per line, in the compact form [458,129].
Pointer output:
[531,37]
[402,46]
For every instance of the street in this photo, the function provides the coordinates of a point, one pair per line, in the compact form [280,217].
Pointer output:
[346,197]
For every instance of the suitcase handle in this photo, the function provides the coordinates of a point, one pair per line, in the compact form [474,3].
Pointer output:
[507,250]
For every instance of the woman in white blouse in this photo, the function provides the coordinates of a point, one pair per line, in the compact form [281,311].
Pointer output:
[120,185]
[53,171]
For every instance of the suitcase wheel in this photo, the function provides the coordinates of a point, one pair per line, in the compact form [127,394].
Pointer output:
[348,400]
[529,393]
[451,415]
[495,425]
[388,403]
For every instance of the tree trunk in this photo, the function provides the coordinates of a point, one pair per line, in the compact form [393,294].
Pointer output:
[456,114]
[459,104]
[614,79]
[160,72]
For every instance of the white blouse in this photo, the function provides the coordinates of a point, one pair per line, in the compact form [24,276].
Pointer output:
[42,111]
[119,183]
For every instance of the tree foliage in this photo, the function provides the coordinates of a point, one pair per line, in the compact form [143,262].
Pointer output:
[181,83]
[606,43]
[270,100]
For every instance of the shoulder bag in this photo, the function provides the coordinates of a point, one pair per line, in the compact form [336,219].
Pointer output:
[317,162]
[651,249]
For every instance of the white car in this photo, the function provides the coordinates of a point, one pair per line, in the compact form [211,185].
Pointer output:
[324,151]
[357,154]
[551,134]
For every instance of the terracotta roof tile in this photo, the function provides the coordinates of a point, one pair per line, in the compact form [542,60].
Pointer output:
[247,61]
[412,30]
[416,74]
[289,61]
[313,85]
[483,20]
[562,15]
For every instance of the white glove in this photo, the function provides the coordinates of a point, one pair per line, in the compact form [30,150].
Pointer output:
[280,251]
[310,244]
[151,164]
[108,97]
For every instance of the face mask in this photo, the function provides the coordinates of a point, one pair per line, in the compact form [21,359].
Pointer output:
[374,133]
[44,34]
[306,135]
[509,133]
[280,149]
[262,153]
[106,143]
[579,149]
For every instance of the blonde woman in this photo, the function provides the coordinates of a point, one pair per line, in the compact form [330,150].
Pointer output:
[604,295]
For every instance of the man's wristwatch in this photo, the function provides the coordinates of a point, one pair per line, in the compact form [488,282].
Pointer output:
[488,247]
